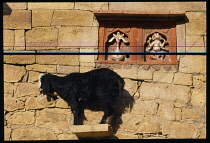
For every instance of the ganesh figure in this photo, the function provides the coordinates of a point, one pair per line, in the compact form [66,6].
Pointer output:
[156,44]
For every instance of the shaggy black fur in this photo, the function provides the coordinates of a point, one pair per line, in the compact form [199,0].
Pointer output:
[97,88]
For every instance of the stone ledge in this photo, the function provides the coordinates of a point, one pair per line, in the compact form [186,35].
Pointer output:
[92,131]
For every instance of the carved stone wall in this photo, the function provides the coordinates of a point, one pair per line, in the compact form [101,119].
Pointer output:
[170,100]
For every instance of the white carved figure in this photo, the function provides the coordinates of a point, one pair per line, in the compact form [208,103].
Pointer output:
[156,44]
[118,37]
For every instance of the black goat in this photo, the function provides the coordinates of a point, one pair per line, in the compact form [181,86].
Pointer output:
[81,91]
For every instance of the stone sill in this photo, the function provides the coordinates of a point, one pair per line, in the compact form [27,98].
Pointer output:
[139,15]
[92,131]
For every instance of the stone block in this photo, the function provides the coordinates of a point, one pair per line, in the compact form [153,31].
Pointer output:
[178,113]
[197,24]
[126,136]
[19,40]
[15,5]
[50,5]
[7,133]
[22,118]
[162,76]
[131,86]
[192,64]
[32,134]
[127,72]
[91,6]
[42,68]
[57,120]
[154,6]
[148,127]
[91,131]
[166,110]
[41,17]
[8,88]
[62,104]
[18,19]
[195,43]
[26,89]
[67,137]
[145,108]
[93,117]
[72,18]
[9,39]
[87,58]
[190,114]
[72,60]
[183,79]
[67,69]
[198,97]
[20,59]
[12,104]
[76,37]
[33,76]
[13,73]
[179,130]
[199,81]
[41,38]
[38,103]
[84,69]
[144,74]
[150,91]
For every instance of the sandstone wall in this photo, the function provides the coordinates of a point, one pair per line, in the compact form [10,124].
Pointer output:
[170,100]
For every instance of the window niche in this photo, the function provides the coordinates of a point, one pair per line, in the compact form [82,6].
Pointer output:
[137,38]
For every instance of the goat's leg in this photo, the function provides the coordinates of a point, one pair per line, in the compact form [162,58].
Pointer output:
[75,111]
[108,111]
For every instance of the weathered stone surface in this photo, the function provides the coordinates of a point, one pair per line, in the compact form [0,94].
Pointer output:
[178,113]
[26,89]
[87,58]
[197,23]
[33,76]
[58,120]
[38,103]
[93,117]
[162,76]
[41,38]
[90,131]
[42,68]
[84,69]
[33,134]
[154,6]
[193,64]
[22,118]
[190,114]
[13,73]
[91,5]
[67,69]
[195,43]
[145,74]
[67,137]
[20,59]
[18,19]
[127,72]
[166,110]
[75,37]
[182,78]
[41,17]
[145,108]
[8,88]
[58,59]
[19,40]
[180,130]
[11,104]
[62,104]
[9,39]
[50,5]
[203,134]
[131,86]
[14,5]
[199,81]
[7,133]
[72,18]
[150,91]
[198,97]
[126,136]
[148,127]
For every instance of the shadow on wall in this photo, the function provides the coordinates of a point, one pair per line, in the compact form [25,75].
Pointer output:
[6,9]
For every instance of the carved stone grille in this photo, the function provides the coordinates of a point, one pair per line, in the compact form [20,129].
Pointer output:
[137,42]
